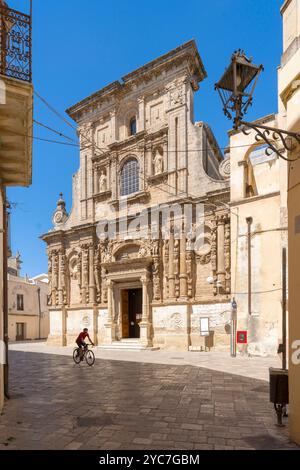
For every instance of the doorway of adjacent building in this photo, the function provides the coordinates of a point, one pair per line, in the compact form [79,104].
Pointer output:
[20,331]
[132,306]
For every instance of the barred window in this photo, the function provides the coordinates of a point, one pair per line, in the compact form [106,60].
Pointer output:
[130,177]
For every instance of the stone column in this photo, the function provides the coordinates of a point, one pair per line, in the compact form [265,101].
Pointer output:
[85,274]
[60,277]
[110,327]
[92,286]
[183,273]
[171,267]
[221,257]
[96,178]
[165,150]
[145,324]
[113,122]
[141,120]
[54,277]
[114,177]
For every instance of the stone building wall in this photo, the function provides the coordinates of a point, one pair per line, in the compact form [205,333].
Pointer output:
[178,167]
[257,193]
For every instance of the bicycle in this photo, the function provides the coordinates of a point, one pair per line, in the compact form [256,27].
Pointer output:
[80,354]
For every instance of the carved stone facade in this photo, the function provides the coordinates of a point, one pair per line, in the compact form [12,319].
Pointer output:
[115,264]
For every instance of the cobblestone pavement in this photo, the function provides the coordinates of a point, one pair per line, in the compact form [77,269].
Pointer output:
[131,405]
[255,367]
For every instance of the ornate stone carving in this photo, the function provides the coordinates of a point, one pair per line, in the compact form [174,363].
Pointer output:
[145,249]
[97,273]
[49,297]
[205,258]
[224,168]
[190,271]
[214,253]
[176,267]
[227,258]
[63,275]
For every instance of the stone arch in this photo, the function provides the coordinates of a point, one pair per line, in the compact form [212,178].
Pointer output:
[124,116]
[250,183]
[127,251]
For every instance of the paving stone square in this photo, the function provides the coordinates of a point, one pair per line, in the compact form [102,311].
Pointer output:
[123,405]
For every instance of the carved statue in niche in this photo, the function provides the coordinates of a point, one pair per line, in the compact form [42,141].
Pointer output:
[102,182]
[158,162]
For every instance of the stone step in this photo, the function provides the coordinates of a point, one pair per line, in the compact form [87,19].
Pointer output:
[126,346]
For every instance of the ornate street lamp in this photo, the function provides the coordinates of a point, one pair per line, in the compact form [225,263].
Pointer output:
[236,89]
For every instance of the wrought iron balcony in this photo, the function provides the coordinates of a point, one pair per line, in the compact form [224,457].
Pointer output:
[15,43]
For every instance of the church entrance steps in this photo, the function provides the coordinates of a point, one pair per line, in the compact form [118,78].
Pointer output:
[127,345]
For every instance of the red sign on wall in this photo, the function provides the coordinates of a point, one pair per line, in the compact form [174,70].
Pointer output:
[242,337]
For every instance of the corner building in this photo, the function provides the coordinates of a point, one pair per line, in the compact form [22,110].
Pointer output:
[146,284]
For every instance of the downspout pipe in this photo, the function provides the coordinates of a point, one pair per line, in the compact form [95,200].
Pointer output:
[249,221]
[5,299]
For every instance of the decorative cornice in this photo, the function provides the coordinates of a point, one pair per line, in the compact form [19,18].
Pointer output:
[186,52]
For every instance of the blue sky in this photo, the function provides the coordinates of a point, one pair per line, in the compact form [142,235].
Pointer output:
[79,47]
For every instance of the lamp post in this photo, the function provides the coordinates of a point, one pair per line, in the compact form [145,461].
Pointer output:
[233,328]
[236,89]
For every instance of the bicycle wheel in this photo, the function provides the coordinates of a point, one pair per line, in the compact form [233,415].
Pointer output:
[76,356]
[90,358]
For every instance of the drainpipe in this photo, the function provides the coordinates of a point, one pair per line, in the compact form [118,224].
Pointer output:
[284,285]
[5,301]
[249,221]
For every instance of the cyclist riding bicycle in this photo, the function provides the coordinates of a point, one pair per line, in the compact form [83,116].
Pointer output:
[80,341]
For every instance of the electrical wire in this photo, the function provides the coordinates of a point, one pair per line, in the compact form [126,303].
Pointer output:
[54,131]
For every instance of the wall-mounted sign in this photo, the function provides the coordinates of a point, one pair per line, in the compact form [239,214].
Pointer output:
[259,155]
[86,322]
[242,337]
[204,326]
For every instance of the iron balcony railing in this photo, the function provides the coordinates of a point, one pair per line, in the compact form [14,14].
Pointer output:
[15,43]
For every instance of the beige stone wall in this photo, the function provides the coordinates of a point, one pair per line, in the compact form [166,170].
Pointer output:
[289,106]
[1,302]
[30,315]
[265,203]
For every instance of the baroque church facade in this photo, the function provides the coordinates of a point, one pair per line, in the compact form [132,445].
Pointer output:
[117,265]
